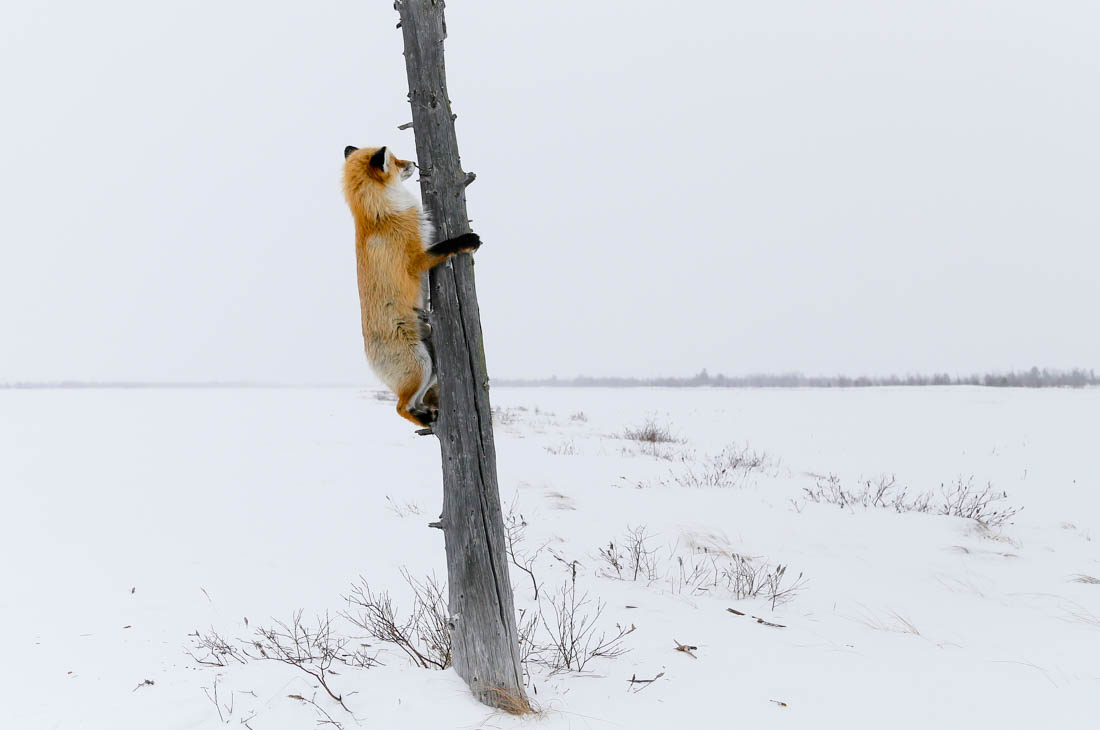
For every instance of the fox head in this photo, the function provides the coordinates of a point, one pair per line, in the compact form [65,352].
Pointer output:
[372,180]
[375,165]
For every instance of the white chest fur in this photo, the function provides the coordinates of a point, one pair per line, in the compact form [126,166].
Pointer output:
[400,199]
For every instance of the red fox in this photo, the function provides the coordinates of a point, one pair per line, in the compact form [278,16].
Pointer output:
[393,249]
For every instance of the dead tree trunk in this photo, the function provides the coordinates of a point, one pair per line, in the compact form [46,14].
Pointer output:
[483,623]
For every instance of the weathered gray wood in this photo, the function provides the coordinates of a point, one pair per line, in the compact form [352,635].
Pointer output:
[486,648]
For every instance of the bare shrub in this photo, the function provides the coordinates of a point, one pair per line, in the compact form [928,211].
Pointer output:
[1082,578]
[515,533]
[632,558]
[696,572]
[571,625]
[745,580]
[739,576]
[729,468]
[883,493]
[651,432]
[528,623]
[578,417]
[961,499]
[423,635]
[311,649]
[213,650]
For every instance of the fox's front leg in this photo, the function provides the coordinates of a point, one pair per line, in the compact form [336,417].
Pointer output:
[440,252]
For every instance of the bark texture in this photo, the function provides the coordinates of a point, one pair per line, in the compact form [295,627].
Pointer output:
[483,623]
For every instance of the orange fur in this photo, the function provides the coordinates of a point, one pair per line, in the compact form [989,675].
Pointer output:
[390,261]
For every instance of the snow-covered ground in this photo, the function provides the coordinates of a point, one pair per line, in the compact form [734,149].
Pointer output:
[133,518]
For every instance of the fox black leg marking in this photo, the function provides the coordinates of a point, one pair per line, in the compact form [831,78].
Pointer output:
[459,244]
[426,416]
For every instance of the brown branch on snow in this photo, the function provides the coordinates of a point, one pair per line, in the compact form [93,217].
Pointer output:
[769,623]
[687,649]
[643,682]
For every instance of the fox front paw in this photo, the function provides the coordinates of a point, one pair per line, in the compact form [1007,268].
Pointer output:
[466,243]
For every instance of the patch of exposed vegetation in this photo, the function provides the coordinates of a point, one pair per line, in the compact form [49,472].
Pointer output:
[651,432]
[962,498]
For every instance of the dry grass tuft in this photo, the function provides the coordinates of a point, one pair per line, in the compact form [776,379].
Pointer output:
[508,701]
[1082,578]
[895,624]
[651,432]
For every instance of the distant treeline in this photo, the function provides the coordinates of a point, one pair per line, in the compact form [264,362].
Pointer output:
[1034,378]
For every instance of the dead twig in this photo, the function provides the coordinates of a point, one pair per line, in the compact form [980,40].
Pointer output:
[687,649]
[643,682]
[325,719]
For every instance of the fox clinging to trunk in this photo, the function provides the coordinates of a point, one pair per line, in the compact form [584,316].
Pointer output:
[393,249]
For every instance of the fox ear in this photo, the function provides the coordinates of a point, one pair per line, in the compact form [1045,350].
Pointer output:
[348,150]
[378,159]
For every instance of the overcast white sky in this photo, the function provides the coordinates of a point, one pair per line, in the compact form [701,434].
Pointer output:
[852,186]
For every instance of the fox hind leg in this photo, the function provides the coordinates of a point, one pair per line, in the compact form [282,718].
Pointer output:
[421,416]
[412,394]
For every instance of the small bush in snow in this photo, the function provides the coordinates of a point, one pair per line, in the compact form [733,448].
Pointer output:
[631,558]
[651,432]
[739,576]
[729,468]
[961,499]
[515,533]
[883,493]
[423,635]
[311,649]
[571,625]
